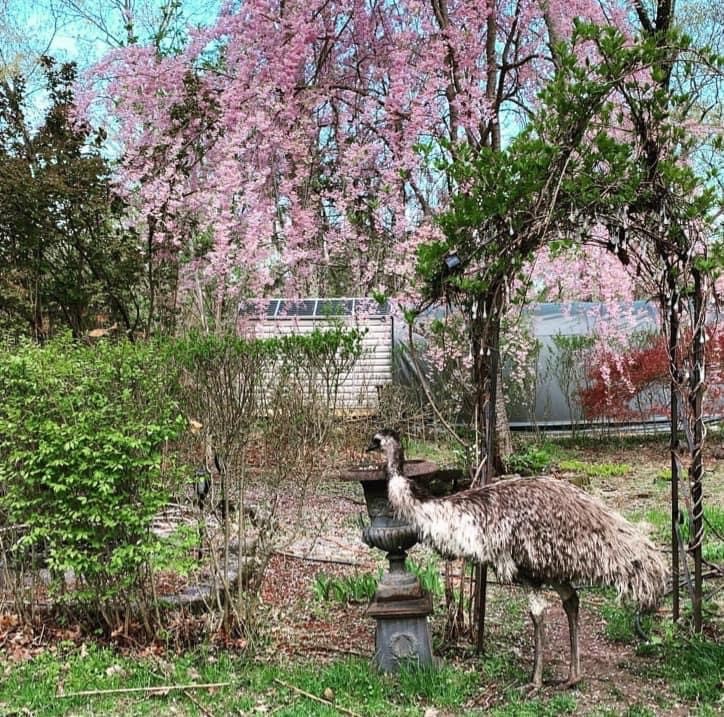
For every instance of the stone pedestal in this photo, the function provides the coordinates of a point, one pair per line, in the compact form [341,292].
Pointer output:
[402,640]
[400,606]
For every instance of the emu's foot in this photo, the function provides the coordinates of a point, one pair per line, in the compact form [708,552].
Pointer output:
[571,682]
[531,689]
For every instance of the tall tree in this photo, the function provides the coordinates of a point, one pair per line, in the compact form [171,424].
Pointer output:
[67,257]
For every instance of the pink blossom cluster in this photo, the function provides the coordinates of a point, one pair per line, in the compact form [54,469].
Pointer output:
[287,134]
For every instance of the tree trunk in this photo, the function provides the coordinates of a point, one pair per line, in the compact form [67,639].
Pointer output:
[503,436]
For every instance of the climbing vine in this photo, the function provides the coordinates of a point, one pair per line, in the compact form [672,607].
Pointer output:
[606,161]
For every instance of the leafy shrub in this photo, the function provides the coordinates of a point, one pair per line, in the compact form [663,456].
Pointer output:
[83,431]
[531,460]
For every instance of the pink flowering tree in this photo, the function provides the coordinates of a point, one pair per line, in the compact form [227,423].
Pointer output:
[288,147]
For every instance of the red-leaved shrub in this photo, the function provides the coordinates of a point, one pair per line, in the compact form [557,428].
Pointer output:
[636,386]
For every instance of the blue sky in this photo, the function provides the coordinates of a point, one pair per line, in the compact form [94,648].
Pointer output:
[31,27]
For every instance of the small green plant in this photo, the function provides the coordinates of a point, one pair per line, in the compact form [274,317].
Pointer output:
[530,460]
[664,475]
[595,470]
[428,573]
[621,622]
[361,587]
[356,588]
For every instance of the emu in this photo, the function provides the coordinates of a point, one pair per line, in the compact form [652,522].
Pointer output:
[534,531]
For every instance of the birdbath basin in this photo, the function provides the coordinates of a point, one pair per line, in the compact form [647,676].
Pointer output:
[400,605]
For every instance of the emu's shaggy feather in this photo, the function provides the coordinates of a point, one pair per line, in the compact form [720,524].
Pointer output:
[535,531]
[541,530]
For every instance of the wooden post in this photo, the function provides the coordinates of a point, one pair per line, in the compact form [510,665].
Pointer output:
[674,445]
[486,360]
[696,470]
[482,457]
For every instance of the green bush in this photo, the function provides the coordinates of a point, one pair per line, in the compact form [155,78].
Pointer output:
[532,459]
[82,437]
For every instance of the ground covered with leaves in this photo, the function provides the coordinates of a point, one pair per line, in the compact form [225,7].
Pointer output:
[312,656]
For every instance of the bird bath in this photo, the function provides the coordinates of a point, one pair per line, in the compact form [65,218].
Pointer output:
[400,605]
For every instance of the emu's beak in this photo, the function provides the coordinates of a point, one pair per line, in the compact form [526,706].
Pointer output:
[373,446]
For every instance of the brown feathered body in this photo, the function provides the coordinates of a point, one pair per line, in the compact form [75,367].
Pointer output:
[538,530]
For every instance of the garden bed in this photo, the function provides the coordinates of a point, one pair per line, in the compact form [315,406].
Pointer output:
[313,641]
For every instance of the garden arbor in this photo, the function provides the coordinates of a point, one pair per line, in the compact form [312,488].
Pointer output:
[575,176]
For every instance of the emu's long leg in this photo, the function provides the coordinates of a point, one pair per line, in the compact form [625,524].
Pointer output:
[537,606]
[569,597]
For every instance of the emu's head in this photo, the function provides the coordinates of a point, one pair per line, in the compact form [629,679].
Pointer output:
[388,441]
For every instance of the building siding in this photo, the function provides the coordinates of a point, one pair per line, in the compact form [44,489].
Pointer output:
[358,391]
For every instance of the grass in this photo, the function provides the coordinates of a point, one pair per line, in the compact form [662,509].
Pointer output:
[691,669]
[32,687]
[256,687]
[713,547]
[621,620]
[560,704]
[444,454]
[692,666]
[603,442]
[595,470]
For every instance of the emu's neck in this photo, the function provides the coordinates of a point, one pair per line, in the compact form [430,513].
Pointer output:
[399,489]
[395,459]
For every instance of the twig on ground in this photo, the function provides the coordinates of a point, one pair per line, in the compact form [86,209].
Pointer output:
[193,700]
[328,648]
[309,558]
[310,696]
[151,689]
[189,696]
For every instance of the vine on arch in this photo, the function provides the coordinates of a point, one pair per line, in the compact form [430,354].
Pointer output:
[605,161]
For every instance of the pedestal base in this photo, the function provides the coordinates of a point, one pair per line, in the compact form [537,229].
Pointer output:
[402,635]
